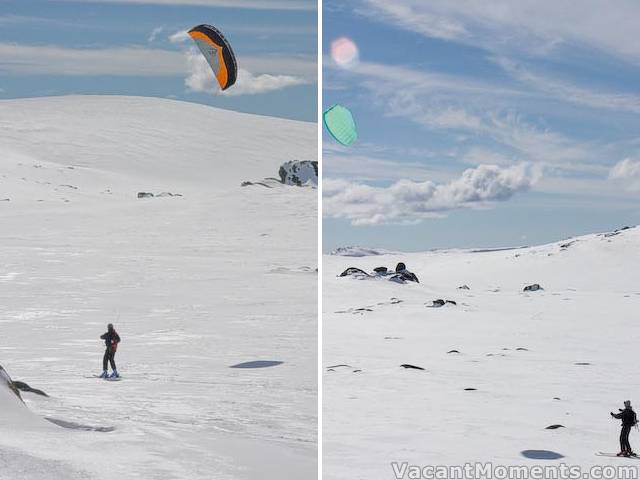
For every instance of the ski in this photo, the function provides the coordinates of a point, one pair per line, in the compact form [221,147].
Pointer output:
[614,455]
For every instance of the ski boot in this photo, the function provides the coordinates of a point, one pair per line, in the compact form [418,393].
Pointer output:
[104,374]
[621,454]
[114,374]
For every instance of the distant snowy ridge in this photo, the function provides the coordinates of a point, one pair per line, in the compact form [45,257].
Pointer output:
[356,251]
[359,251]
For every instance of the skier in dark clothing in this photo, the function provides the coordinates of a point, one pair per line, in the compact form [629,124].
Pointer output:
[628,417]
[111,340]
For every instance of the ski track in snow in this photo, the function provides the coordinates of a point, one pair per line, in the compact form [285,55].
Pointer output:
[562,355]
[186,280]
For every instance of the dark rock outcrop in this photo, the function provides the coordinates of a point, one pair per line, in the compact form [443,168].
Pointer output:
[24,387]
[414,367]
[441,303]
[299,172]
[533,288]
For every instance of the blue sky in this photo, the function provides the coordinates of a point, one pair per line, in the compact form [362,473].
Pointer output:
[134,47]
[482,123]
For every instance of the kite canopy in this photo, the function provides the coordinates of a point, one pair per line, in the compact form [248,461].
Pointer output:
[217,50]
[339,122]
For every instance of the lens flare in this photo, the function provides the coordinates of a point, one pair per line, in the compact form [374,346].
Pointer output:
[344,52]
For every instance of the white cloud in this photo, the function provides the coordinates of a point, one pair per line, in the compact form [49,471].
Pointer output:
[627,168]
[241,4]
[537,27]
[201,79]
[406,201]
[180,36]
[154,34]
[628,172]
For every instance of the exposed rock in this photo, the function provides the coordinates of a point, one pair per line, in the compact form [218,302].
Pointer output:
[441,303]
[299,172]
[554,427]
[354,271]
[24,387]
[453,351]
[145,195]
[262,184]
[470,389]
[464,287]
[533,288]
[407,365]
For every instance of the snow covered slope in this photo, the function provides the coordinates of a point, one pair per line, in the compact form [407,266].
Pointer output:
[194,284]
[564,355]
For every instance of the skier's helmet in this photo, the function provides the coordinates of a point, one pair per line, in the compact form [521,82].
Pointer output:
[627,403]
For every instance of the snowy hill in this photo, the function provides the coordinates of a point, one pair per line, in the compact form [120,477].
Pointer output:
[564,355]
[195,284]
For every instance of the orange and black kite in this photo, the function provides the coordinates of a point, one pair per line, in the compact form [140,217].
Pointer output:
[217,50]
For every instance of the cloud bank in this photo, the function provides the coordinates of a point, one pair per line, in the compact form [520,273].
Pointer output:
[407,202]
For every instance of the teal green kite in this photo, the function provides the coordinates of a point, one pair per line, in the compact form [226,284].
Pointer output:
[339,122]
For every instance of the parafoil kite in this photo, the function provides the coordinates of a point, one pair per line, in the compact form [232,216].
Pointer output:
[339,122]
[217,50]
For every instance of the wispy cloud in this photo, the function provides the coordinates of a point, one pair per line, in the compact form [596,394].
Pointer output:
[16,59]
[240,4]
[407,202]
[445,102]
[154,34]
[531,27]
[567,92]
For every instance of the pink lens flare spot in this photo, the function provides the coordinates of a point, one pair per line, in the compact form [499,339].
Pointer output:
[344,52]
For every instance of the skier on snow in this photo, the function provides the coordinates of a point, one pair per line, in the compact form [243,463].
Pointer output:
[111,340]
[628,417]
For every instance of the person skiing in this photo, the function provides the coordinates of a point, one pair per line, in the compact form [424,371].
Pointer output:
[111,340]
[629,419]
